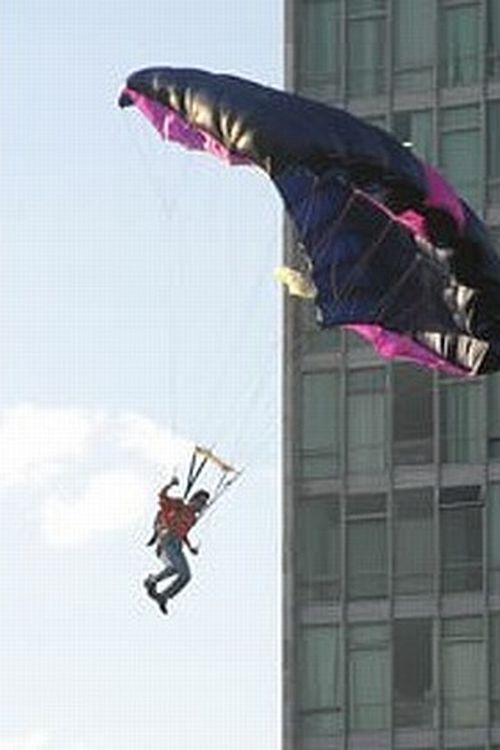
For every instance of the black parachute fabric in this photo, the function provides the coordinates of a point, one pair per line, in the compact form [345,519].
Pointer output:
[395,254]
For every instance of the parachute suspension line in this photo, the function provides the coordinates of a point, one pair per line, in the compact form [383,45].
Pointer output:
[350,283]
[199,459]
[209,509]
[166,206]
[195,470]
[257,400]
[391,293]
[246,310]
[224,483]
[343,294]
[244,397]
[332,229]
[192,465]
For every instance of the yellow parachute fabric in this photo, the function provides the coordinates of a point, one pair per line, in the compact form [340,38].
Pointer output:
[210,456]
[297,282]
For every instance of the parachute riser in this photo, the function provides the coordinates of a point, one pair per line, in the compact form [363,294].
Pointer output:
[194,473]
[222,486]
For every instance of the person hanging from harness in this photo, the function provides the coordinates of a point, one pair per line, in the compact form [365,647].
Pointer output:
[173,521]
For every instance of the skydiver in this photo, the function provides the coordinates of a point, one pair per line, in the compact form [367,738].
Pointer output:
[173,522]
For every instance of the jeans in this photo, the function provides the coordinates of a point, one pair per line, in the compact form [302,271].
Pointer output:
[176,564]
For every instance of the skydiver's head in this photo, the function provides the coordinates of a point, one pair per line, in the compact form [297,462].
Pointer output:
[199,500]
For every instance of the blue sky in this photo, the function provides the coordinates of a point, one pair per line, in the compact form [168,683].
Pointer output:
[138,313]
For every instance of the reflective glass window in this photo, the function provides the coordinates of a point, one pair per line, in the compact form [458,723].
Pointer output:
[355,341]
[366,420]
[366,52]
[461,525]
[493,508]
[367,559]
[460,152]
[461,422]
[315,339]
[460,44]
[493,39]
[464,690]
[413,673]
[356,7]
[318,549]
[319,680]
[493,155]
[415,130]
[413,44]
[369,676]
[414,546]
[320,43]
[495,239]
[320,424]
[412,415]
[495,667]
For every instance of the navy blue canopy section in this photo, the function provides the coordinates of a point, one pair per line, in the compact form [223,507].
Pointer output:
[394,252]
[274,128]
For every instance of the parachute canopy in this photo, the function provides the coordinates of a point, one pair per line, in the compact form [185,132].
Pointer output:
[395,253]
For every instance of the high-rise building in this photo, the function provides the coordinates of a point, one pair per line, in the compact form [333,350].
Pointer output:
[392,472]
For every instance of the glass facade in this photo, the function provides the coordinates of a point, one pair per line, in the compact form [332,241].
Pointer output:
[392,472]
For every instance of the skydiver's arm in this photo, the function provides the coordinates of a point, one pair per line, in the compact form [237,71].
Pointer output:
[164,492]
[193,550]
[156,528]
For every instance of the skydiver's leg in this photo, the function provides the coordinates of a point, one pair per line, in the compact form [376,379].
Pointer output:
[179,562]
[169,570]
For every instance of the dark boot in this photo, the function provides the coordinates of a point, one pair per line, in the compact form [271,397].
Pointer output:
[150,586]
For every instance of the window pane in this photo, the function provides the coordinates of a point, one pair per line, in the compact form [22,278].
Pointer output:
[414,542]
[461,423]
[355,341]
[495,240]
[493,157]
[413,45]
[460,161]
[413,678]
[493,41]
[319,43]
[493,506]
[464,673]
[320,424]
[317,340]
[412,415]
[415,128]
[366,47]
[366,6]
[366,421]
[495,668]
[367,561]
[319,679]
[493,411]
[369,676]
[458,118]
[318,549]
[494,139]
[460,45]
[461,539]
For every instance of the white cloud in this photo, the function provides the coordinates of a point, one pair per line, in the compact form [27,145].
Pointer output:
[111,500]
[39,740]
[32,740]
[37,443]
[153,443]
[92,472]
